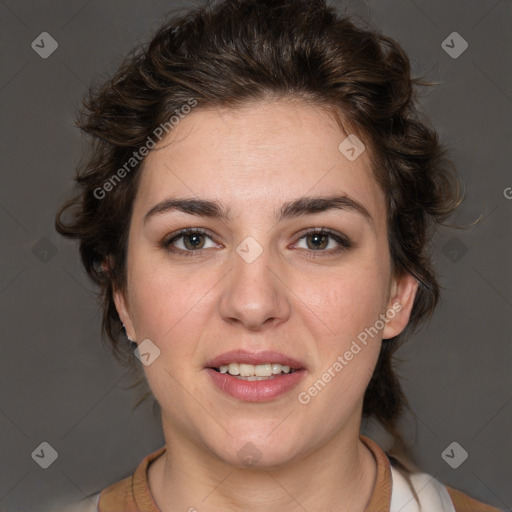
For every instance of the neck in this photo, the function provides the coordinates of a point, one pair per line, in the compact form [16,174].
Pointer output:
[339,476]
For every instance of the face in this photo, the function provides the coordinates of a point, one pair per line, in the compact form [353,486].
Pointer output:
[258,283]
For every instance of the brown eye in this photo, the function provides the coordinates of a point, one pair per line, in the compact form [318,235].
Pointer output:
[188,241]
[322,239]
[318,241]
[193,241]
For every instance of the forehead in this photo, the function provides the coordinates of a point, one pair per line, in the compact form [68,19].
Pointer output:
[263,152]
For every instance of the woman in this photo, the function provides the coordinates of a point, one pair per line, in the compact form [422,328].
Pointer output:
[256,212]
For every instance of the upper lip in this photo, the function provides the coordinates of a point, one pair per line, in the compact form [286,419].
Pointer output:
[246,357]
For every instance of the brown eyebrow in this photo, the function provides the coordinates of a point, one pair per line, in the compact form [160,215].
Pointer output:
[302,206]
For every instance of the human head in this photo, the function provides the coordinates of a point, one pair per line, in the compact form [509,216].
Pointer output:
[237,52]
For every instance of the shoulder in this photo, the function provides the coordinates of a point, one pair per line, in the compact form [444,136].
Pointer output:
[89,504]
[464,503]
[432,495]
[118,496]
[133,492]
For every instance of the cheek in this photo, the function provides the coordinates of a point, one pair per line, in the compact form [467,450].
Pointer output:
[352,300]
[168,307]
[347,356]
[347,310]
[164,300]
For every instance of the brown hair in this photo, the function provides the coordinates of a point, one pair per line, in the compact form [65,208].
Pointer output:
[237,51]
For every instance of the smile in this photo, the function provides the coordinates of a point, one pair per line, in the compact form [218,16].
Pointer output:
[255,377]
[254,372]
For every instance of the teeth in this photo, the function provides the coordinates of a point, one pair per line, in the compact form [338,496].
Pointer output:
[258,371]
[263,370]
[234,369]
[246,370]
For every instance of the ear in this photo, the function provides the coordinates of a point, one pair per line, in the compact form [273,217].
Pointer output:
[402,294]
[123,312]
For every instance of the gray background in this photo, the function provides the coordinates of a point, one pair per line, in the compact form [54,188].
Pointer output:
[58,383]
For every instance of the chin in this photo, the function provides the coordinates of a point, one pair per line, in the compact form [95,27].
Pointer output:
[259,451]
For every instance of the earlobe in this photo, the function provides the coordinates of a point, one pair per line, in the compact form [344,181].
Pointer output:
[123,313]
[402,295]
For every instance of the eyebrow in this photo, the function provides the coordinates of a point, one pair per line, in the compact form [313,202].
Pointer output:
[298,207]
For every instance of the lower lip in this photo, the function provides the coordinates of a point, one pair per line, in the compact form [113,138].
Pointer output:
[256,390]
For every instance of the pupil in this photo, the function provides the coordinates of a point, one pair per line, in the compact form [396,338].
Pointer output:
[317,237]
[196,239]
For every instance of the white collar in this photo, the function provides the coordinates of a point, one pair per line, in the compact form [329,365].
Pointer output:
[432,494]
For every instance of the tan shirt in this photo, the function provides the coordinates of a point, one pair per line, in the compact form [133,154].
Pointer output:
[133,494]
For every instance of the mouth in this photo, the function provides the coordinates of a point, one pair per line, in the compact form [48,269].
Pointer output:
[251,372]
[255,377]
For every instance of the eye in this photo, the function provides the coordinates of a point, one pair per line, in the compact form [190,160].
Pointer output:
[188,240]
[192,240]
[320,239]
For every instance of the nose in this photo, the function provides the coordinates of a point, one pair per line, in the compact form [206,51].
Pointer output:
[255,294]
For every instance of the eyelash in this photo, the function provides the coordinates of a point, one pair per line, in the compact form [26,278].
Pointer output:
[344,243]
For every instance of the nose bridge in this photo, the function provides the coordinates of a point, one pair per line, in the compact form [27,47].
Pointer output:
[254,294]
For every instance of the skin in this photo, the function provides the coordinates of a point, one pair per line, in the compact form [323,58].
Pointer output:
[253,159]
